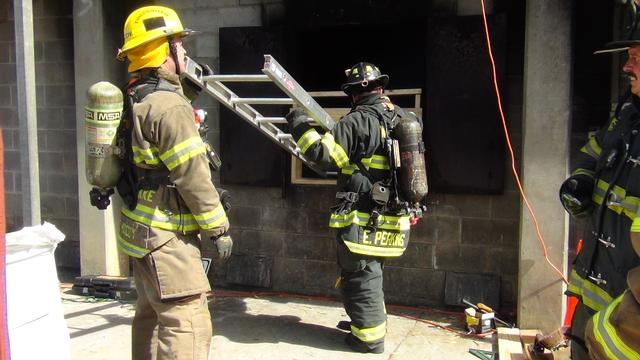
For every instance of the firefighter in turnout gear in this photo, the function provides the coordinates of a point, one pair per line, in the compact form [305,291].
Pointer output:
[176,205]
[605,186]
[367,233]
[613,333]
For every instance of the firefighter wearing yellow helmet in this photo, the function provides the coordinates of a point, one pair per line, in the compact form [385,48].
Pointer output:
[172,205]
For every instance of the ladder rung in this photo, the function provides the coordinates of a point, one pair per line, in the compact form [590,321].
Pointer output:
[272,120]
[284,137]
[262,101]
[237,78]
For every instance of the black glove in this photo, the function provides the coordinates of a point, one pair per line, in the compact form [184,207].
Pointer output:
[575,195]
[225,198]
[296,117]
[224,244]
[189,88]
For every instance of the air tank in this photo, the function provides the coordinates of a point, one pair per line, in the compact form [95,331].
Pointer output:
[102,117]
[413,173]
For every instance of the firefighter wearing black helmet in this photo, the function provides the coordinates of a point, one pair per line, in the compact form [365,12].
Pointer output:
[365,235]
[605,186]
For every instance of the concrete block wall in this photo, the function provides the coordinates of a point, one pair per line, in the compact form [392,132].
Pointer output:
[53,48]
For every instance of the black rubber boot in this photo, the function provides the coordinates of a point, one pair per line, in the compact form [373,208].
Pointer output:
[362,347]
[344,325]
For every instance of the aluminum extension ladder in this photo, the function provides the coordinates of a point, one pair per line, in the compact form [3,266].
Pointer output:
[273,72]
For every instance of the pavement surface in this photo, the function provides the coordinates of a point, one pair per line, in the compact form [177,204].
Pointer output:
[270,326]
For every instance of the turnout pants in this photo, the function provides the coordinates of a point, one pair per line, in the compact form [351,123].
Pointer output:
[362,296]
[578,325]
[172,319]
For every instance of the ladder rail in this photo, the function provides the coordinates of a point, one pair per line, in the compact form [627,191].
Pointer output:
[265,125]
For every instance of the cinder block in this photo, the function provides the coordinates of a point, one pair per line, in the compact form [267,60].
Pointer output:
[62,183]
[58,51]
[207,45]
[62,75]
[288,274]
[250,270]
[507,232]
[11,160]
[252,2]
[244,217]
[54,28]
[449,230]
[6,53]
[318,223]
[206,20]
[59,140]
[52,205]
[320,275]
[413,286]
[475,206]
[462,258]
[7,31]
[6,95]
[68,255]
[51,118]
[258,242]
[479,231]
[472,287]
[57,8]
[215,3]
[71,206]
[60,95]
[506,206]
[308,246]
[426,231]
[7,74]
[9,182]
[51,162]
[416,256]
[289,220]
[240,16]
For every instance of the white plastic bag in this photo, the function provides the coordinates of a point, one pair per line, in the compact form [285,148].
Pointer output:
[37,329]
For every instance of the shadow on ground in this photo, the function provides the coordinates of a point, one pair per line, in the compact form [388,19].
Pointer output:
[232,321]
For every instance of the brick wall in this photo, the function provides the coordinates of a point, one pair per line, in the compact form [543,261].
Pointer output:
[53,47]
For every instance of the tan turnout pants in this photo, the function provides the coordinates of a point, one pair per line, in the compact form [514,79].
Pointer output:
[172,319]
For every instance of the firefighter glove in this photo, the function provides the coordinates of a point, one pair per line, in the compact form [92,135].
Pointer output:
[575,195]
[190,89]
[296,117]
[224,244]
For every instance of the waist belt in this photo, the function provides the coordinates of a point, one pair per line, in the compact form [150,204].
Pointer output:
[153,179]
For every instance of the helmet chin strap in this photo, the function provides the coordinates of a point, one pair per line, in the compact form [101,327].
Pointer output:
[173,50]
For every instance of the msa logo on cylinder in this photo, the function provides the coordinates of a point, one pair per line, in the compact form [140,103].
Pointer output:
[102,116]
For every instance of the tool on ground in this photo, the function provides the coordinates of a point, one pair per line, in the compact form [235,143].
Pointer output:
[214,85]
[553,341]
[483,354]
[486,309]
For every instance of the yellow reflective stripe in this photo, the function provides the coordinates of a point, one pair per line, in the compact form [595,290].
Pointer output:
[211,219]
[627,205]
[159,219]
[148,156]
[581,171]
[606,334]
[380,162]
[635,225]
[370,334]
[374,250]
[336,152]
[387,222]
[592,148]
[130,249]
[307,139]
[592,295]
[348,169]
[183,152]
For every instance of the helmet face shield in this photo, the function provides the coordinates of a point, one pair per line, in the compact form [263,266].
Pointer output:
[363,76]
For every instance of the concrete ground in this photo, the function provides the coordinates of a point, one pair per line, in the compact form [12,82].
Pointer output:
[271,326]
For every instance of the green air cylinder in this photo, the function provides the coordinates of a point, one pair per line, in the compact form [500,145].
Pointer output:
[413,173]
[102,117]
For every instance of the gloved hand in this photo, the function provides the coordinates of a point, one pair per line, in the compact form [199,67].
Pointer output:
[225,198]
[296,117]
[224,244]
[575,195]
[190,89]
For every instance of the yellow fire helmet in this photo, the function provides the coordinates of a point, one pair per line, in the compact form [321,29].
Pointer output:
[141,30]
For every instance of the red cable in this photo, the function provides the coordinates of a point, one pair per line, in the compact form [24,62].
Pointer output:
[513,159]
